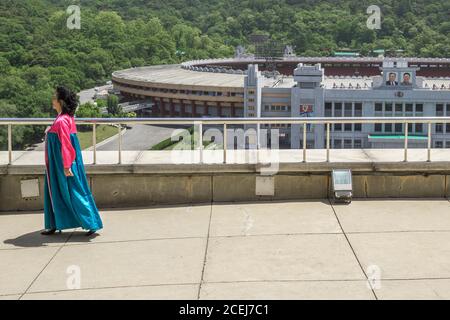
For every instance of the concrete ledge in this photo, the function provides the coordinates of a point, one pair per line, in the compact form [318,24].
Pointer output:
[136,183]
[125,190]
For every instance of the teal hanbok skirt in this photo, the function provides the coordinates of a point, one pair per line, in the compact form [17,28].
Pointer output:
[68,201]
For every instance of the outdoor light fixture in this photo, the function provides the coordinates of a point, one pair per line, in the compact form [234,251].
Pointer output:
[342,185]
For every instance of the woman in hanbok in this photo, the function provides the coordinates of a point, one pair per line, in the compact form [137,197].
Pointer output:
[68,201]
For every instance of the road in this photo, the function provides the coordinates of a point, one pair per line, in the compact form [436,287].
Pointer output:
[136,137]
[88,95]
[139,137]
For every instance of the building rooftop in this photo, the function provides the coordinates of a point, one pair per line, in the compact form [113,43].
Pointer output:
[174,74]
[342,82]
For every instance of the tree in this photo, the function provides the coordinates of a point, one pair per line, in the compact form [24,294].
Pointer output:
[88,110]
[113,106]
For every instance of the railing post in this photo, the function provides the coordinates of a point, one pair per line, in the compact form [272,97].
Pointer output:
[9,144]
[406,142]
[120,143]
[304,142]
[225,143]
[429,143]
[94,142]
[328,142]
[200,140]
[258,133]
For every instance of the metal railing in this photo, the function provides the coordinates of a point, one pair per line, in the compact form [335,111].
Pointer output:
[9,122]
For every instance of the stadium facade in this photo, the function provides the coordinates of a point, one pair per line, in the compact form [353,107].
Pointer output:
[304,87]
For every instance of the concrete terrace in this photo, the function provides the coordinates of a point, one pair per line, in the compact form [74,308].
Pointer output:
[285,246]
[265,250]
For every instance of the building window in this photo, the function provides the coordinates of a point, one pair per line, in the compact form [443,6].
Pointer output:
[439,110]
[328,107]
[347,143]
[337,143]
[388,110]
[338,109]
[439,128]
[378,109]
[447,144]
[358,109]
[419,127]
[398,127]
[410,127]
[388,127]
[357,126]
[347,110]
[347,127]
[357,144]
[338,127]
[266,107]
[419,109]
[378,127]
[409,109]
[398,110]
[438,144]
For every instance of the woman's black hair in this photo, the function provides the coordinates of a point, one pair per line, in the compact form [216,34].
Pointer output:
[68,100]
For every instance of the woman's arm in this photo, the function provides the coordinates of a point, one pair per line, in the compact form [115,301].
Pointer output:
[67,150]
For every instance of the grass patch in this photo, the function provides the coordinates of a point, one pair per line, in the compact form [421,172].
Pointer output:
[168,144]
[103,133]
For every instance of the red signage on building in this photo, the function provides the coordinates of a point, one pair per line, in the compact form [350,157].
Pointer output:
[306,108]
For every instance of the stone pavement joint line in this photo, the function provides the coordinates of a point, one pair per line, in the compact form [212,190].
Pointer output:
[44,267]
[354,253]
[206,255]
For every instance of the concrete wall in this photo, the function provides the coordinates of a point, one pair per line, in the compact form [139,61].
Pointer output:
[143,189]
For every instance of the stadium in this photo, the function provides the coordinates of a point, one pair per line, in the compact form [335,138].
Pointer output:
[245,86]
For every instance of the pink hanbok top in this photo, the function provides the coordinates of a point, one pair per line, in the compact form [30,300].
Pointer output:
[64,126]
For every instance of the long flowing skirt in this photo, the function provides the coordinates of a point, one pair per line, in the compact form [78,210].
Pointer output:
[68,201]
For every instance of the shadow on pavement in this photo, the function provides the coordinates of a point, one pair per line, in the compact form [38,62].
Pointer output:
[35,239]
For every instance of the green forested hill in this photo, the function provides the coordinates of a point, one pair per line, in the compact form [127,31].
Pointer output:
[37,51]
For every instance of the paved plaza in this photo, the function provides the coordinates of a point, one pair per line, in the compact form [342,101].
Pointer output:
[317,156]
[263,250]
